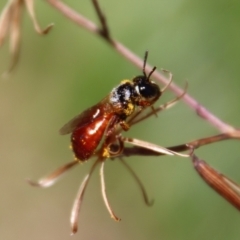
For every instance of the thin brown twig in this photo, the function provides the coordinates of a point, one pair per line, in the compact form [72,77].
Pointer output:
[104,31]
[140,151]
[139,182]
[137,61]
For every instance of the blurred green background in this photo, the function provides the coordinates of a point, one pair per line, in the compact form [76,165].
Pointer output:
[61,74]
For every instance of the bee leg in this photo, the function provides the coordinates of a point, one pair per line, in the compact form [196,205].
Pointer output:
[125,126]
[170,80]
[116,149]
[135,119]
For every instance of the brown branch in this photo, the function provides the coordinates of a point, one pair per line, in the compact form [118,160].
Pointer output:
[134,59]
[140,151]
[104,31]
[223,185]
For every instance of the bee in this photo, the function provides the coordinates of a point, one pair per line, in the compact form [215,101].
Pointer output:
[103,122]
[89,127]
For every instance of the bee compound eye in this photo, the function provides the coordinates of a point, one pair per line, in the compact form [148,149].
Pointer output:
[149,90]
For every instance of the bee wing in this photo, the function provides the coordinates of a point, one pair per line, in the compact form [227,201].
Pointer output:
[72,124]
[83,118]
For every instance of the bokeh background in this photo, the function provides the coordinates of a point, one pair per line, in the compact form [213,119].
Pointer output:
[61,74]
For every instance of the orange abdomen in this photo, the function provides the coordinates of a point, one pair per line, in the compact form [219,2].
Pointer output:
[86,138]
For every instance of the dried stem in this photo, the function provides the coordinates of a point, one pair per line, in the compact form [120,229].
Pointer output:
[217,181]
[134,59]
[104,194]
[143,151]
[78,200]
[52,178]
[104,31]
[139,182]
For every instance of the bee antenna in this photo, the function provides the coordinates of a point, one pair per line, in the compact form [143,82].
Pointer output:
[144,63]
[144,66]
[149,75]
